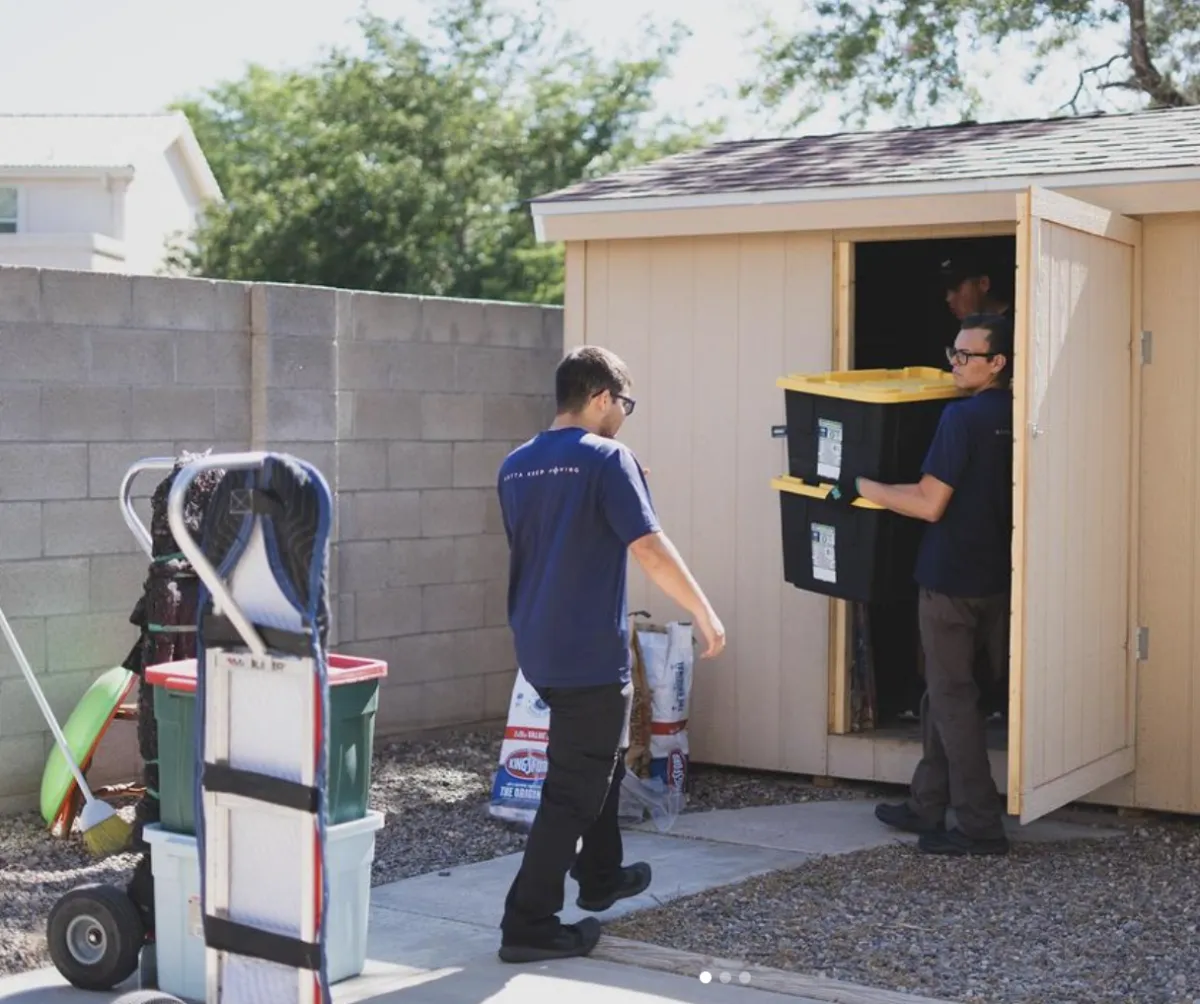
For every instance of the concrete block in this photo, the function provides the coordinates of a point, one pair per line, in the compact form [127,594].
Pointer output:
[35,471]
[481,558]
[212,360]
[380,515]
[109,462]
[420,465]
[451,417]
[24,758]
[516,417]
[301,363]
[89,641]
[343,626]
[399,709]
[297,311]
[115,581]
[387,317]
[20,530]
[20,294]
[366,365]
[484,650]
[44,587]
[84,527]
[553,330]
[459,701]
[517,325]
[31,636]
[495,603]
[385,613]
[386,414]
[363,466]
[453,321]
[301,415]
[95,299]
[174,413]
[132,358]
[323,456]
[424,367]
[86,413]
[37,352]
[493,517]
[186,304]
[477,465]
[486,370]
[497,693]
[453,512]
[421,562]
[414,658]
[452,607]
[363,566]
[19,711]
[20,412]
[233,415]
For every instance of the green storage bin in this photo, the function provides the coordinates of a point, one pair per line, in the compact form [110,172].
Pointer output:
[353,703]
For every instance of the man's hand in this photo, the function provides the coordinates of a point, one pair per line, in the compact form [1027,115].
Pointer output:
[666,569]
[713,632]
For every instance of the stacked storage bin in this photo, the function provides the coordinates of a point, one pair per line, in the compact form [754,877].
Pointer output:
[843,425]
[354,699]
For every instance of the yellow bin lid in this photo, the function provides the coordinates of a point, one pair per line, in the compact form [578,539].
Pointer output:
[880,386]
[798,487]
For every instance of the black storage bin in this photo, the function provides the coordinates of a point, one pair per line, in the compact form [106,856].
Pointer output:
[863,423]
[862,552]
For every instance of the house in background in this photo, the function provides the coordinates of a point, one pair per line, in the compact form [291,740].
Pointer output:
[99,192]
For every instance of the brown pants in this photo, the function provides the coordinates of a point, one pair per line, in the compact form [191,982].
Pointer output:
[965,642]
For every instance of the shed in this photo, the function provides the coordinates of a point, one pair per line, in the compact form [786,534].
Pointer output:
[717,271]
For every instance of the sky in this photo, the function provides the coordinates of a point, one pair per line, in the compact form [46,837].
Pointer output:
[123,56]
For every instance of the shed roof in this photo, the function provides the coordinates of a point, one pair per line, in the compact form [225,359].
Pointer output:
[1136,141]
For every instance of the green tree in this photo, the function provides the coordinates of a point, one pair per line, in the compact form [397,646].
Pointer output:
[406,167]
[907,57]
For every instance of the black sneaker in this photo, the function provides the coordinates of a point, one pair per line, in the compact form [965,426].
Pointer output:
[902,817]
[957,843]
[569,941]
[634,880]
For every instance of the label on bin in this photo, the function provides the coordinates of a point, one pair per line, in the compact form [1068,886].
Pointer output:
[824,553]
[829,449]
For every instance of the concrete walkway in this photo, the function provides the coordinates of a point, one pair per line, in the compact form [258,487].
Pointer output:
[433,938]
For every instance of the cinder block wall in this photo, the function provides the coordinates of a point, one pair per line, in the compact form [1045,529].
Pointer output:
[407,405]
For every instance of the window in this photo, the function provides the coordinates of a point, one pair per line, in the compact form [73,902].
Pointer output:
[8,210]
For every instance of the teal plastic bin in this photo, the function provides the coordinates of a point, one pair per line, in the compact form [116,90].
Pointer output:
[353,700]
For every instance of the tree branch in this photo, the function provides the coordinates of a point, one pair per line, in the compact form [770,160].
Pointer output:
[1073,104]
[1144,71]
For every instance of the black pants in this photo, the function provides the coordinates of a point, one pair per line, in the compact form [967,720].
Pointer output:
[589,729]
[966,649]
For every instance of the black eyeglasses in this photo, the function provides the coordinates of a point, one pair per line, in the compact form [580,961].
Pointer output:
[959,357]
[627,404]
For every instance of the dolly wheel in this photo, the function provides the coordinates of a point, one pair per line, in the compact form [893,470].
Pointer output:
[147,997]
[94,935]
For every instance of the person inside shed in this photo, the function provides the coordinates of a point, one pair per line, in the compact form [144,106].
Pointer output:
[963,572]
[974,286]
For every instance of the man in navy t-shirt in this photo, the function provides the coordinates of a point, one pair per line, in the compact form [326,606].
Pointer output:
[575,504]
[964,574]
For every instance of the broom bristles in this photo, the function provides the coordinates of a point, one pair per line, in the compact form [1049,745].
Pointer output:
[109,837]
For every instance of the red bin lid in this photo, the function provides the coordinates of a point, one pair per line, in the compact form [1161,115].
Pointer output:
[181,674]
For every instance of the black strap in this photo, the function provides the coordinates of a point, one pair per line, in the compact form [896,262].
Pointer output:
[222,779]
[225,935]
[219,632]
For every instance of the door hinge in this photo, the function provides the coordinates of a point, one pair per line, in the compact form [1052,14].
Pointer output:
[1143,644]
[1147,346]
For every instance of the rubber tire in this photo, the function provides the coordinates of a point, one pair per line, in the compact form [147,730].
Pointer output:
[147,997]
[114,911]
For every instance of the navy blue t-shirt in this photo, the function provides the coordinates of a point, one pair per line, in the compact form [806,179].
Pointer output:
[572,503]
[967,552]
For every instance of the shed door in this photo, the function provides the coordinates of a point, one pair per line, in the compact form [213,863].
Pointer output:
[1076,373]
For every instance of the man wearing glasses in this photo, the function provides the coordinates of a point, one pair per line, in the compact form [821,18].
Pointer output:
[575,504]
[964,576]
[971,288]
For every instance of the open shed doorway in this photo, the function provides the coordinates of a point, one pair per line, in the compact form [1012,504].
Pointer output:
[899,316]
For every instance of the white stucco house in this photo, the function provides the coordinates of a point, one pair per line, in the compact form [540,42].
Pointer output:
[99,192]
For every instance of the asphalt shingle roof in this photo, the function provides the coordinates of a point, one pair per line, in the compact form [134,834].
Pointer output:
[1041,147]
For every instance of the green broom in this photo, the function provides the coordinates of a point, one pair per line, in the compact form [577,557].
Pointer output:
[104,832]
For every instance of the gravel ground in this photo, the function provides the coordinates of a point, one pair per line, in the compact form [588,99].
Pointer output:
[1083,922]
[433,791]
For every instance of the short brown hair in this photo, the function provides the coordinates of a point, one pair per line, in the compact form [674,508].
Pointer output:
[586,372]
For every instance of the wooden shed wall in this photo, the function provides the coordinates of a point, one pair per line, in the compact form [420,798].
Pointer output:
[707,325]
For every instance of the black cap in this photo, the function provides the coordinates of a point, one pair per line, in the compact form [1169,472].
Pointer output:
[963,266]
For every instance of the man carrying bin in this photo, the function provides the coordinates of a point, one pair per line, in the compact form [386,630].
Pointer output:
[964,574]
